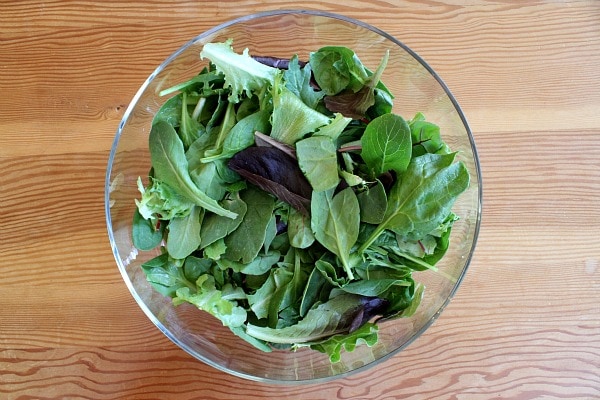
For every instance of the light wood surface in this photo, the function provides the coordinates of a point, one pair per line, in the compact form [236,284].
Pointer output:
[525,323]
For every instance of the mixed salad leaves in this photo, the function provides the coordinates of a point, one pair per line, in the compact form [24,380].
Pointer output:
[290,202]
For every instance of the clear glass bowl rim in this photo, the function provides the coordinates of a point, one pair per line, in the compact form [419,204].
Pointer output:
[162,66]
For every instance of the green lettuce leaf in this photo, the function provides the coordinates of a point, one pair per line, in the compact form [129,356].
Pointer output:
[242,73]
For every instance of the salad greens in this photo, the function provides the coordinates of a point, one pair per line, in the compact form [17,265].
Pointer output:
[290,202]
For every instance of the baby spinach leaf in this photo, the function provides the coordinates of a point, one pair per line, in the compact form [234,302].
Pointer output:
[316,288]
[367,334]
[372,287]
[275,172]
[208,298]
[215,227]
[170,111]
[260,265]
[373,203]
[299,230]
[242,73]
[184,234]
[426,137]
[245,242]
[260,301]
[423,197]
[193,267]
[144,234]
[336,68]
[317,158]
[386,144]
[335,221]
[171,167]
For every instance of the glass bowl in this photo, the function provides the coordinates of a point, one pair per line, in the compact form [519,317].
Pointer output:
[416,88]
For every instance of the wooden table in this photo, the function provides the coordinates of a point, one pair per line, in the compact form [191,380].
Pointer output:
[525,323]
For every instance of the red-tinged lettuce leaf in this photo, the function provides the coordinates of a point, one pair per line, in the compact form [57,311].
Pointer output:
[275,172]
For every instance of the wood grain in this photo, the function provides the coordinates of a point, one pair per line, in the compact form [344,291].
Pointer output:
[525,323]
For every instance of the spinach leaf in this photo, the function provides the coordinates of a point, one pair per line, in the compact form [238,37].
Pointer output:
[423,197]
[260,301]
[170,111]
[373,203]
[190,129]
[317,288]
[245,242]
[336,68]
[335,221]
[299,230]
[317,158]
[386,144]
[184,234]
[144,234]
[171,167]
[215,227]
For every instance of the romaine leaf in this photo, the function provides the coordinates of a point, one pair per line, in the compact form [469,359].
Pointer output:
[292,119]
[242,73]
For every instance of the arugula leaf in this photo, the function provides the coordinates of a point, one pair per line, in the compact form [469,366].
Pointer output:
[170,166]
[367,334]
[208,298]
[386,144]
[242,73]
[184,234]
[245,242]
[297,80]
[335,221]
[317,158]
